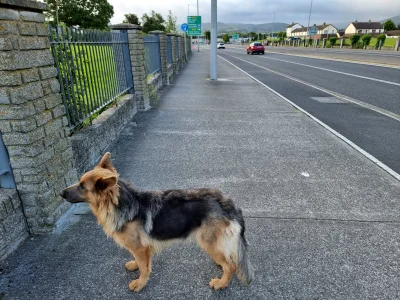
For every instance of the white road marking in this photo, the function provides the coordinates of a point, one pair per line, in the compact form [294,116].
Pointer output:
[358,62]
[305,174]
[337,95]
[346,140]
[334,71]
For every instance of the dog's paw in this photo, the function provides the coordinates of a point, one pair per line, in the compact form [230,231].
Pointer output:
[137,285]
[218,284]
[132,265]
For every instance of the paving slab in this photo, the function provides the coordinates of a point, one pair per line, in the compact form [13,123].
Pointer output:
[323,220]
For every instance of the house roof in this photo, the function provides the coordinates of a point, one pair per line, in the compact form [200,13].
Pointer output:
[367,25]
[291,25]
[302,29]
[320,27]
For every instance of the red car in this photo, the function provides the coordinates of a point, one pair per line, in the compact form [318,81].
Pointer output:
[255,48]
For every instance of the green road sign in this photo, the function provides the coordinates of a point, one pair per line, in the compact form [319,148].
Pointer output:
[235,36]
[194,24]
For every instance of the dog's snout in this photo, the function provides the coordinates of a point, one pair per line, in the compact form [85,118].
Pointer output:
[62,194]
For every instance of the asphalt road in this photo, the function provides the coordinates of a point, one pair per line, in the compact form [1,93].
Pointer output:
[361,102]
[385,57]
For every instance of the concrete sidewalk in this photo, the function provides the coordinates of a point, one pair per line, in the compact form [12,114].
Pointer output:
[323,221]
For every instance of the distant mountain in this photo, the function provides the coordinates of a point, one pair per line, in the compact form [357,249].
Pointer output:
[395,19]
[245,28]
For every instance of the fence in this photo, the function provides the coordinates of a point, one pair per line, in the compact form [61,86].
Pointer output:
[94,68]
[177,48]
[152,54]
[169,49]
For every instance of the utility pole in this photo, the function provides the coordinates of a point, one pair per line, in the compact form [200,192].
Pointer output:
[273,29]
[308,26]
[198,39]
[213,53]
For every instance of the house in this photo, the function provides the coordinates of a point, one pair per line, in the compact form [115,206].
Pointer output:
[364,28]
[324,31]
[292,27]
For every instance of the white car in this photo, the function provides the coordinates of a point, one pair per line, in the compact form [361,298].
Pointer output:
[220,46]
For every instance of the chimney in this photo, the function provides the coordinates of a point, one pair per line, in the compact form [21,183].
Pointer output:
[324,23]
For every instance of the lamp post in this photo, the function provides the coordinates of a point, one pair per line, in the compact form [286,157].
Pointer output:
[308,26]
[198,39]
[213,42]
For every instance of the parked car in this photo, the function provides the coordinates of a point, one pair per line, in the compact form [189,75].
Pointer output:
[220,46]
[255,48]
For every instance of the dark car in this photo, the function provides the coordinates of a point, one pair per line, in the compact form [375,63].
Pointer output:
[255,48]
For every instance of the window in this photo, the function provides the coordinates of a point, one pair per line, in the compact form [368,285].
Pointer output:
[360,31]
[373,30]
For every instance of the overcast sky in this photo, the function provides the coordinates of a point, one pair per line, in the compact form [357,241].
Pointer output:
[337,12]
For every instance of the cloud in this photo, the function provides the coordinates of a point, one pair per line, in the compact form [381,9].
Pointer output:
[262,11]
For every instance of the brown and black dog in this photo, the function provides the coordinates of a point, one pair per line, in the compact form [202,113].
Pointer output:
[144,222]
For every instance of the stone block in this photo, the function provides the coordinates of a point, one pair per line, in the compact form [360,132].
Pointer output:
[53,126]
[4,98]
[5,44]
[23,138]
[39,105]
[43,117]
[27,92]
[16,112]
[10,78]
[30,75]
[30,150]
[25,125]
[8,14]
[8,27]
[32,43]
[6,61]
[52,101]
[47,72]
[59,111]
[32,17]
[5,126]
[33,58]
[54,85]
[42,30]
[28,28]
[31,212]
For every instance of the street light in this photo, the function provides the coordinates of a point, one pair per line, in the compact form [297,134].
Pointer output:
[308,26]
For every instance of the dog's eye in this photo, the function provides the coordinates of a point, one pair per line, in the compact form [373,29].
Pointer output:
[81,187]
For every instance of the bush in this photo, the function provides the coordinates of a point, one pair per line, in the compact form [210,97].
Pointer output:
[355,39]
[310,41]
[332,40]
[366,38]
[379,38]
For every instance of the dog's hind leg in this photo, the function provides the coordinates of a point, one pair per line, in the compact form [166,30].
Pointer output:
[143,260]
[211,241]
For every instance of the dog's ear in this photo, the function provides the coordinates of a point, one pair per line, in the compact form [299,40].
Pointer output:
[105,162]
[104,183]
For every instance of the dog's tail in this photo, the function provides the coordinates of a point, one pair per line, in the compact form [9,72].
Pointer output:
[240,256]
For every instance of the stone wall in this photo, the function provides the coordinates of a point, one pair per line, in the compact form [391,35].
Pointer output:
[90,143]
[32,115]
[13,229]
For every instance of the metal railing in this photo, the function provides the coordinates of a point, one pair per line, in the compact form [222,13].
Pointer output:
[94,69]
[169,49]
[152,53]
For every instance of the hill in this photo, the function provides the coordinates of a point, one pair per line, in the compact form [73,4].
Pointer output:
[395,19]
[245,28]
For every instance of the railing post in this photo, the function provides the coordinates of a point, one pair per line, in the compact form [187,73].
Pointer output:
[341,43]
[32,116]
[396,47]
[164,55]
[138,62]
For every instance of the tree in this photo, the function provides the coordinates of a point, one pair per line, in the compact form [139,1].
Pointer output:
[83,13]
[225,37]
[153,22]
[366,38]
[332,40]
[171,23]
[131,19]
[380,39]
[282,35]
[389,25]
[355,39]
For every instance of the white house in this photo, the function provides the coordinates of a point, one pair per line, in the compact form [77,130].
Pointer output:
[292,27]
[324,31]
[364,27]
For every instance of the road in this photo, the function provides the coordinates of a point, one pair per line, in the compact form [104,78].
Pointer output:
[361,102]
[389,58]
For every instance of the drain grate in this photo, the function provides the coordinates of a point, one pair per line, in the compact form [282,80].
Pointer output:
[328,100]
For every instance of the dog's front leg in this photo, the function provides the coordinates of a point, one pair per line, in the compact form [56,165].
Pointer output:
[143,260]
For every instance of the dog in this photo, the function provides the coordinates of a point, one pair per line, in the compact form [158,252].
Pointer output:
[145,222]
